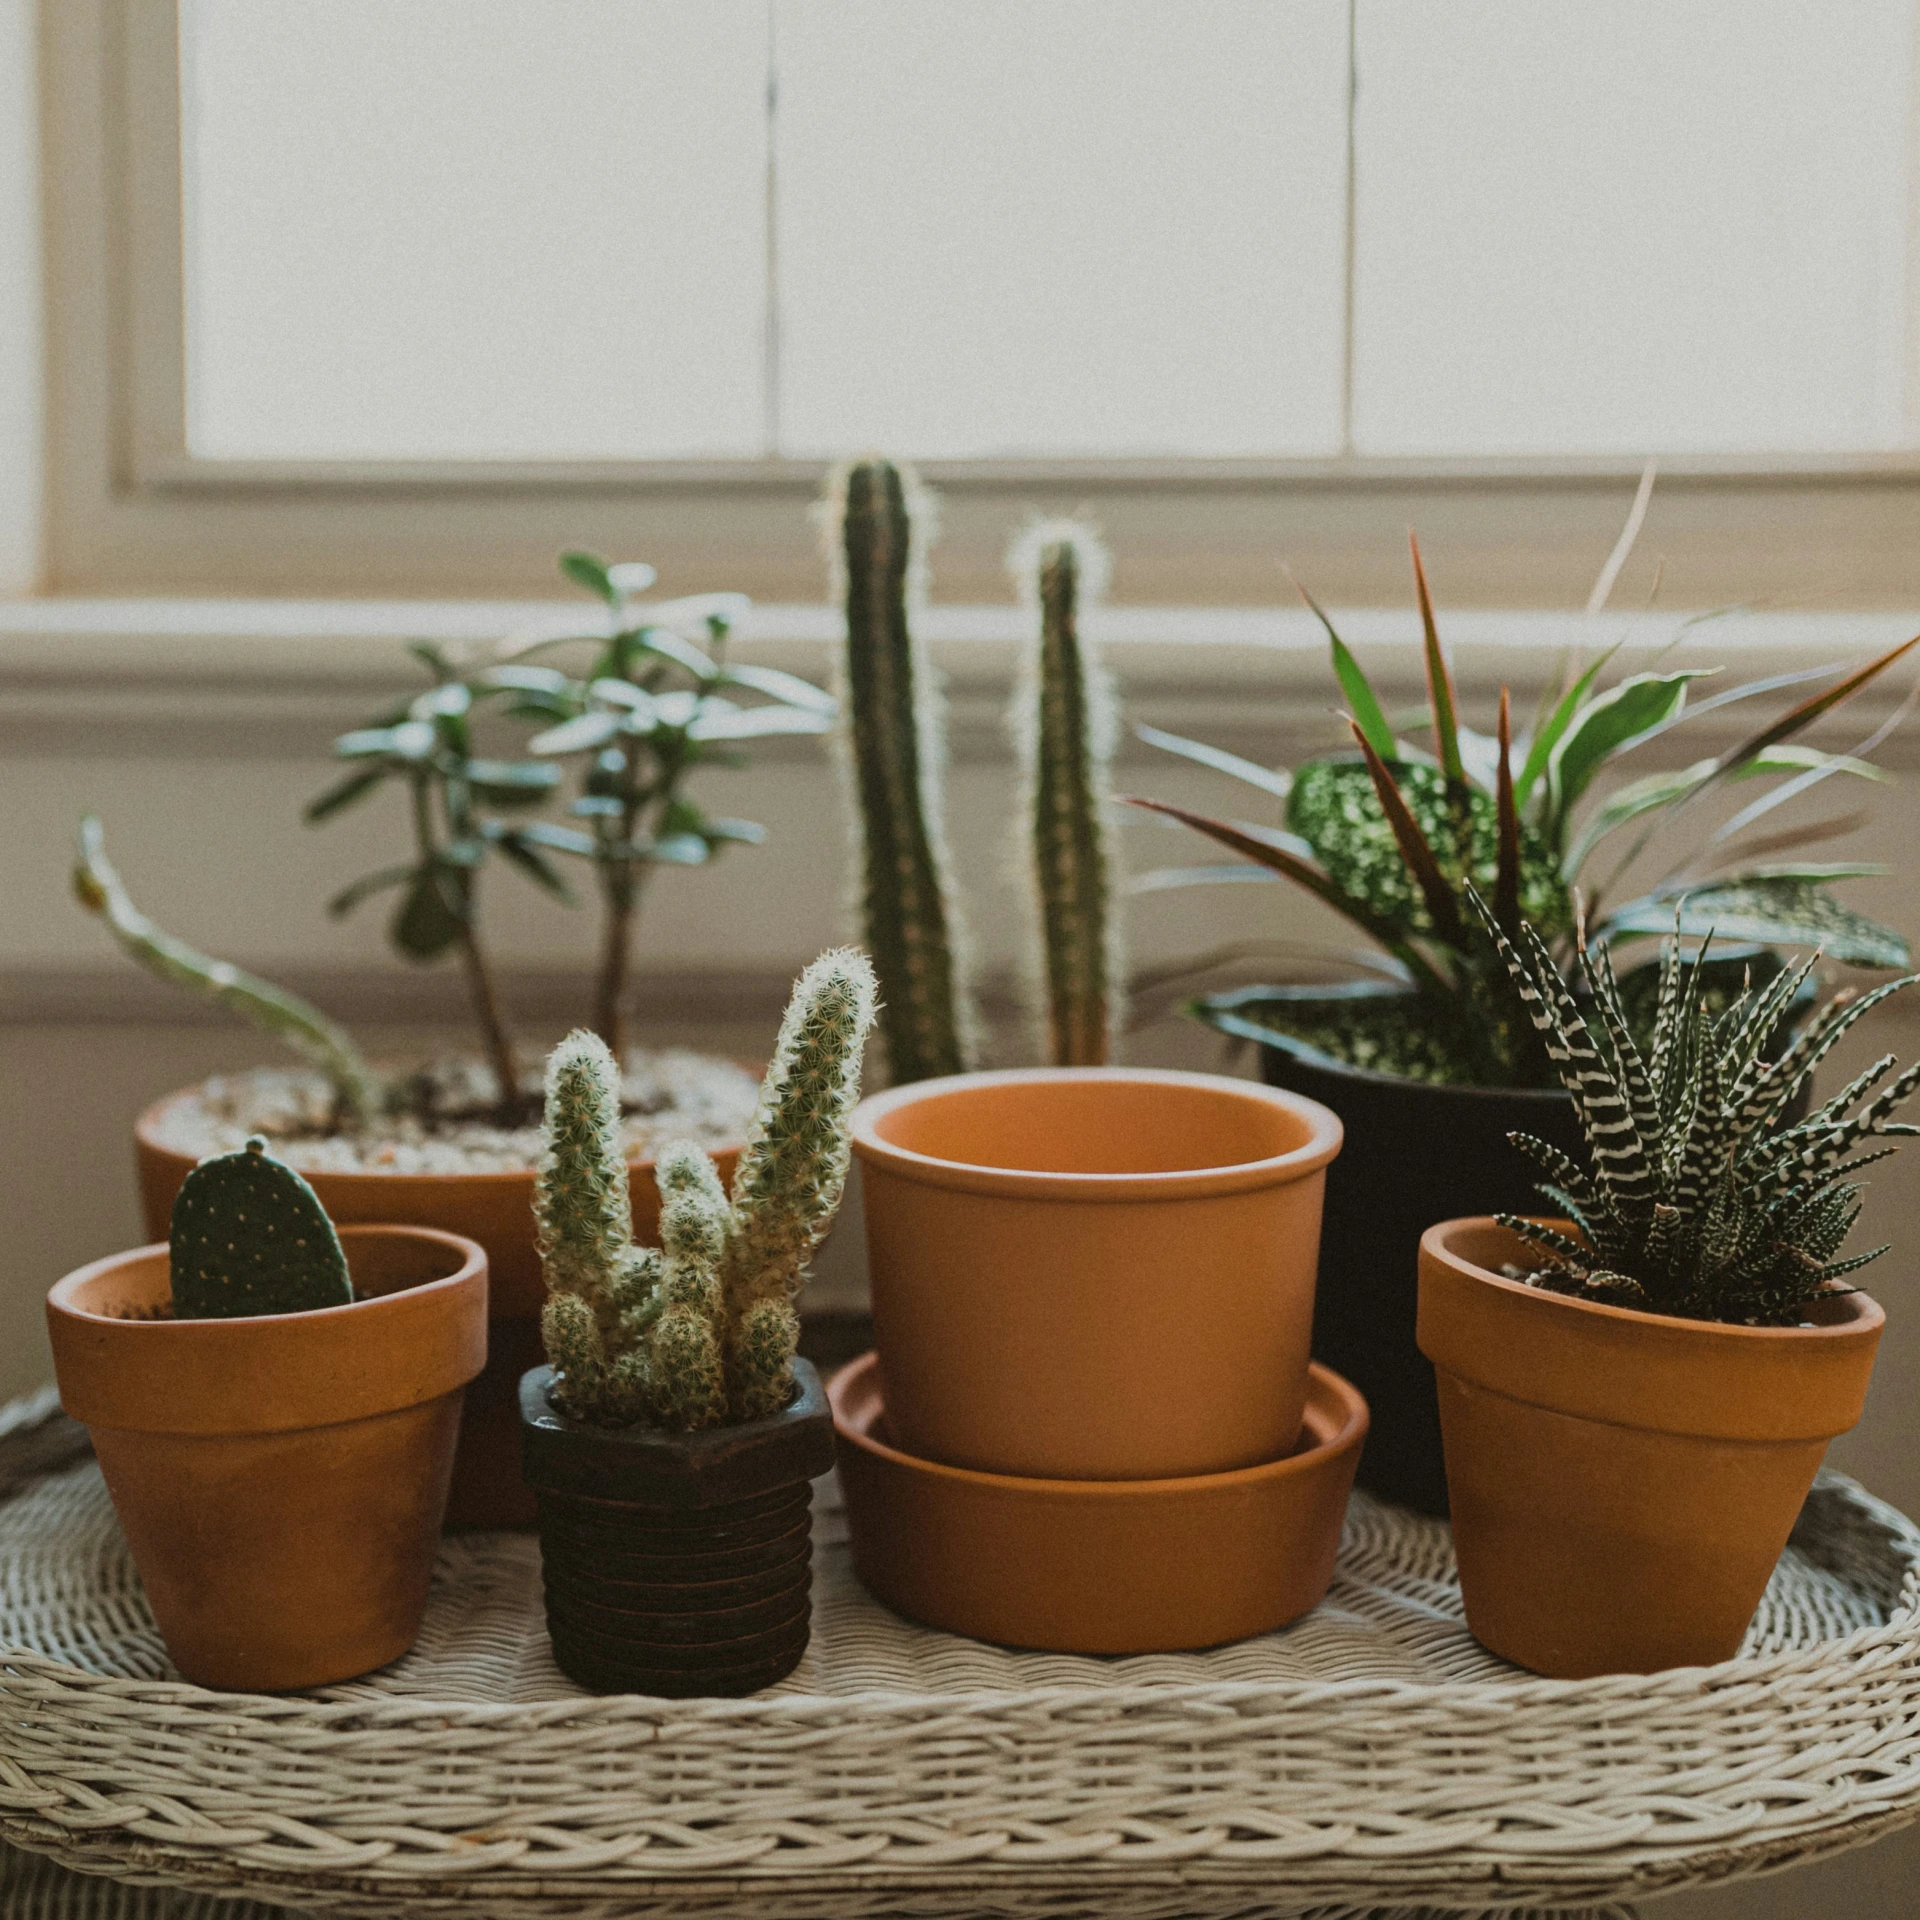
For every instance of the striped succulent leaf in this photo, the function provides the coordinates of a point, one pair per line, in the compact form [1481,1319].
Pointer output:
[1695,1200]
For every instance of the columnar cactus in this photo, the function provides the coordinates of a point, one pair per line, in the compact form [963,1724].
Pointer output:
[893,752]
[1064,727]
[249,1236]
[701,1330]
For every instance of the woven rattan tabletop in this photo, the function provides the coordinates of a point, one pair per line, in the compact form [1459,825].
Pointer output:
[1372,1755]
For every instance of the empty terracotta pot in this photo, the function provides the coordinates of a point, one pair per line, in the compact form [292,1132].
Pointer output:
[1097,1566]
[1622,1483]
[280,1479]
[678,1564]
[1093,1273]
[496,1209]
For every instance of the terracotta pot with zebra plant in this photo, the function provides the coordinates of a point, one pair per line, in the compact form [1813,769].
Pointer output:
[1636,1394]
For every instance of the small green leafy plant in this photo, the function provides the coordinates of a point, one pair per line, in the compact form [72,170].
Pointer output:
[649,706]
[1392,838]
[1698,1199]
[702,1329]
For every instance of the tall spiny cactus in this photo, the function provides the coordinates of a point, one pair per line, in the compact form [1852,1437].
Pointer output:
[893,753]
[1064,725]
[703,1329]
[793,1170]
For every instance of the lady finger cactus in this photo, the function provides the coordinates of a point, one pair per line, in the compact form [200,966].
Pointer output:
[893,753]
[1064,728]
[684,1343]
[793,1171]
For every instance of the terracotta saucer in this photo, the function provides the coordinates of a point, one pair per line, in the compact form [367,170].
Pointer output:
[1097,1566]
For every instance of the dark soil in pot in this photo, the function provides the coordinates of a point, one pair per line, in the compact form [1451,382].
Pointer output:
[677,1564]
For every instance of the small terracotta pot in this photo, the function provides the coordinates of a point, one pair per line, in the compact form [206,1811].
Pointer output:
[495,1209]
[280,1479]
[1093,1273]
[1097,1566]
[678,1564]
[1622,1483]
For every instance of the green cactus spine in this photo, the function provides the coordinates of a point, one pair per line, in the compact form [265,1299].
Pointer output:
[892,714]
[703,1329]
[249,1236]
[793,1171]
[1064,729]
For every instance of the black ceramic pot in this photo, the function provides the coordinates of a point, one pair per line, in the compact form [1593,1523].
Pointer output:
[1414,1153]
[677,1563]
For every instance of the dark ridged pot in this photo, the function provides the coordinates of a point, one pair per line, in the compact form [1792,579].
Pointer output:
[1415,1153]
[677,1564]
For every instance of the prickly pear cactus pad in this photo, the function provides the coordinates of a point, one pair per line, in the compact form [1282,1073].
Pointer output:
[250,1237]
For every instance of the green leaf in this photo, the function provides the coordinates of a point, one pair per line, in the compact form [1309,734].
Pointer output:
[1277,782]
[429,920]
[590,571]
[666,645]
[787,687]
[519,679]
[1614,721]
[1540,751]
[1770,910]
[525,855]
[433,657]
[722,720]
[411,740]
[1361,702]
[343,794]
[446,702]
[513,783]
[543,833]
[350,897]
[579,735]
[1336,811]
[681,850]
[745,833]
[1165,879]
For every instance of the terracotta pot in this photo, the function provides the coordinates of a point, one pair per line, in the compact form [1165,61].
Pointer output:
[495,1209]
[677,1563]
[280,1479]
[1622,1482]
[1097,1566]
[1093,1273]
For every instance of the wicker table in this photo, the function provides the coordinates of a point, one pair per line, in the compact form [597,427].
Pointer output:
[1372,1756]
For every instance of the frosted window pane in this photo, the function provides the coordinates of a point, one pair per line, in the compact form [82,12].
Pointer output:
[1638,226]
[474,228]
[1061,226]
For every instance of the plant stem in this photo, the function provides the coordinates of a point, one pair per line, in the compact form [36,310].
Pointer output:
[609,1015]
[493,1030]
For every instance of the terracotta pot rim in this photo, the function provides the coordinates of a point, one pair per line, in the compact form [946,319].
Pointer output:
[473,1260]
[1323,1140]
[145,1133]
[1327,1393]
[1862,1312]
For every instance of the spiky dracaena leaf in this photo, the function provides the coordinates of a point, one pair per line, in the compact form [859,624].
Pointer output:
[1694,1203]
[793,1168]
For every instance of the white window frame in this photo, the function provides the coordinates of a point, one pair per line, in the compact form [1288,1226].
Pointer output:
[131,510]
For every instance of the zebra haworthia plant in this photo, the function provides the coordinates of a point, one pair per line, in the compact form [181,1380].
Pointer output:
[1699,1200]
[702,1329]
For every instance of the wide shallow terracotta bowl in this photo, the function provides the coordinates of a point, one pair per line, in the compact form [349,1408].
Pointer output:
[1097,1566]
[496,1209]
[1093,1273]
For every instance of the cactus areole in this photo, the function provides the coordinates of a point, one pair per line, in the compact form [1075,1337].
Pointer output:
[251,1237]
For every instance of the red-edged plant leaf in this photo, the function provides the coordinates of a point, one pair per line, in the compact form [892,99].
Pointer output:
[1506,879]
[1797,718]
[1446,738]
[1442,908]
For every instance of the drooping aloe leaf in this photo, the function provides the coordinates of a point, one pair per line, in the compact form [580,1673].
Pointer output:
[1786,908]
[1439,678]
[1608,724]
[1335,808]
[1267,779]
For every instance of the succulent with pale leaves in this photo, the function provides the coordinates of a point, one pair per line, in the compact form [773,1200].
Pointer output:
[893,749]
[1391,838]
[1699,1199]
[1063,724]
[701,1330]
